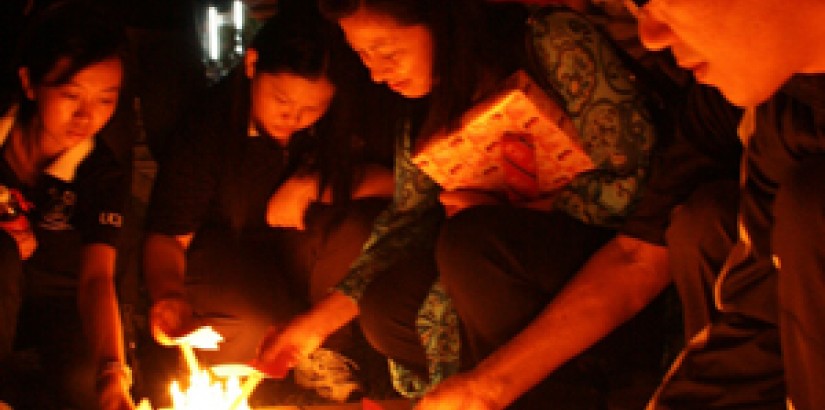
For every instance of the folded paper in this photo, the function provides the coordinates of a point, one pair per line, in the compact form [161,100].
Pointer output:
[518,142]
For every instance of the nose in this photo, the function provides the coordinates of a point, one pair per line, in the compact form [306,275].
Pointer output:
[380,69]
[654,34]
[380,74]
[83,111]
[291,117]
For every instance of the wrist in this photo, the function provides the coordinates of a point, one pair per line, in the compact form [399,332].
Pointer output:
[112,370]
[488,388]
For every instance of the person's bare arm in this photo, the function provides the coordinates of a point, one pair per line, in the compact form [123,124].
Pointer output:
[164,264]
[281,347]
[100,316]
[615,284]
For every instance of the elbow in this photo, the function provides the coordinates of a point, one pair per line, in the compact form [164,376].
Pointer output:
[649,262]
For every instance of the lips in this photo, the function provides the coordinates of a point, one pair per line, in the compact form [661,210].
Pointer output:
[281,131]
[77,134]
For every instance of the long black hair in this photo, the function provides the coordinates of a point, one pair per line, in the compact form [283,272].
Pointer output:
[71,31]
[472,40]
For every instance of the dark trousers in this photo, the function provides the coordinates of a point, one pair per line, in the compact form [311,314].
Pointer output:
[501,266]
[38,315]
[243,286]
[11,275]
[732,358]
[798,236]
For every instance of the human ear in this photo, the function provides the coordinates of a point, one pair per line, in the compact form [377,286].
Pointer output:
[249,61]
[25,82]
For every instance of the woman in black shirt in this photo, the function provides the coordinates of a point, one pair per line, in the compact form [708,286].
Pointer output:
[58,256]
[262,207]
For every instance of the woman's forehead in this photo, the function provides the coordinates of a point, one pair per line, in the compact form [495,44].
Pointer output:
[371,29]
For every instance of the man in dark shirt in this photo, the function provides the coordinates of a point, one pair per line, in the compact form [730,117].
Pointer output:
[758,274]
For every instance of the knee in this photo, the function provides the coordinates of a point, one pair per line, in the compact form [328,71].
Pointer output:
[378,319]
[354,224]
[11,265]
[463,237]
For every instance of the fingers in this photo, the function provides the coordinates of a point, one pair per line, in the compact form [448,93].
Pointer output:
[169,319]
[275,355]
[114,395]
[24,237]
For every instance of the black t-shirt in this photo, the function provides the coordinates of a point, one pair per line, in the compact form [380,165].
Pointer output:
[703,146]
[71,212]
[218,175]
[90,205]
[790,128]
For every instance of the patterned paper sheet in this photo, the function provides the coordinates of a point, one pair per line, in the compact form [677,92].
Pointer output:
[519,141]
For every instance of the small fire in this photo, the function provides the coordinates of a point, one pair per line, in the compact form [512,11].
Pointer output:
[218,388]
[204,393]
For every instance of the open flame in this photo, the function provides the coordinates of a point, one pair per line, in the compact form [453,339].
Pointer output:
[206,393]
[218,388]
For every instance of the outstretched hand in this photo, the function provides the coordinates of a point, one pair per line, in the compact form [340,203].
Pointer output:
[280,348]
[171,318]
[113,393]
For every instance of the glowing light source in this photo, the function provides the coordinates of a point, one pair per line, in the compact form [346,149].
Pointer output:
[238,14]
[213,23]
[204,393]
[220,388]
[238,19]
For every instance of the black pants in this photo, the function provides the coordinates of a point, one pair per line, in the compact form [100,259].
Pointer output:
[11,271]
[243,286]
[501,266]
[39,318]
[770,342]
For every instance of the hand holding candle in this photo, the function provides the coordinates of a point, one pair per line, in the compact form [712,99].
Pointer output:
[171,319]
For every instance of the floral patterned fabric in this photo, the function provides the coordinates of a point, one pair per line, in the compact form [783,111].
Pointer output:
[579,65]
[575,63]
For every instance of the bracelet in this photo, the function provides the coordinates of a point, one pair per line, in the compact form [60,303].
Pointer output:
[111,368]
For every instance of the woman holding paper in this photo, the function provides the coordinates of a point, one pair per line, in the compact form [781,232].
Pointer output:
[444,58]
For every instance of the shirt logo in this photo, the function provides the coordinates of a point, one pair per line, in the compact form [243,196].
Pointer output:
[111,219]
[59,210]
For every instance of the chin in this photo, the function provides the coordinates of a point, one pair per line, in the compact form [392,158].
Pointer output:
[747,89]
[747,97]
[412,92]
